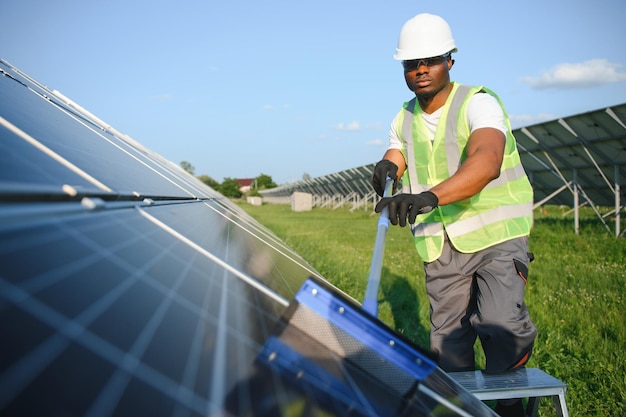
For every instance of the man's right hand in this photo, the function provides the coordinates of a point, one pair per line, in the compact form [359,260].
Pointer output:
[403,207]
[383,169]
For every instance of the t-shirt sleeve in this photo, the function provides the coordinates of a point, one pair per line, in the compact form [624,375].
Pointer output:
[394,137]
[483,110]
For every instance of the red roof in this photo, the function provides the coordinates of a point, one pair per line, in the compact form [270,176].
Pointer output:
[245,182]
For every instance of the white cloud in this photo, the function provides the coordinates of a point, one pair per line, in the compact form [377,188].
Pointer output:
[353,127]
[162,97]
[583,74]
[521,120]
[272,107]
[375,142]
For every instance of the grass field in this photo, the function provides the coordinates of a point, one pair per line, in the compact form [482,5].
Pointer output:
[576,291]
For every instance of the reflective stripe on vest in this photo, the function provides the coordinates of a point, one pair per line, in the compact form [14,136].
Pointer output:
[501,211]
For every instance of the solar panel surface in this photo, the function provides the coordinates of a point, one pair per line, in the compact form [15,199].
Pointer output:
[128,287]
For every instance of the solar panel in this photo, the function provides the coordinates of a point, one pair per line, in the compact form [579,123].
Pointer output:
[128,287]
[351,181]
[588,150]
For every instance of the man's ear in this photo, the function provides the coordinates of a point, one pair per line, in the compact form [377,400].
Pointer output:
[450,64]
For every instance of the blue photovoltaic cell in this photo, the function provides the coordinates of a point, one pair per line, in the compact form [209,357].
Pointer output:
[130,288]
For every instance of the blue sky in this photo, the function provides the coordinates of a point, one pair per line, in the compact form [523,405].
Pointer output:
[284,88]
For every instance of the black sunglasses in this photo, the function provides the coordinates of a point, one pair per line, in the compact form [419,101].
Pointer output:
[429,62]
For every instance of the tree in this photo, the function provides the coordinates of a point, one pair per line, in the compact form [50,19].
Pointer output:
[188,167]
[306,177]
[209,181]
[230,188]
[264,182]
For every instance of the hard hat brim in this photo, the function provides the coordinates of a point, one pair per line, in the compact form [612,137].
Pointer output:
[407,55]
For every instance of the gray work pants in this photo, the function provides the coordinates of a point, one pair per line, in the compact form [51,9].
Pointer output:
[480,294]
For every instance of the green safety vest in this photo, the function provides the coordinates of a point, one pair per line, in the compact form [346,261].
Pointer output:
[499,212]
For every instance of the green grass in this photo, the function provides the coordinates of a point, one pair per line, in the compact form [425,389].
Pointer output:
[575,293]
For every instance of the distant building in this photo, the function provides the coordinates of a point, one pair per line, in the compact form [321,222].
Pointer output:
[245,184]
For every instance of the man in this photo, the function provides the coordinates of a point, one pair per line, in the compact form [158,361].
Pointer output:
[469,205]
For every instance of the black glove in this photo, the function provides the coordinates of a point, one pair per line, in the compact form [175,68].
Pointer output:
[383,169]
[402,205]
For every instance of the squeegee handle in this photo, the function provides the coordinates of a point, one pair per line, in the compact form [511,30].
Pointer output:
[370,302]
[384,214]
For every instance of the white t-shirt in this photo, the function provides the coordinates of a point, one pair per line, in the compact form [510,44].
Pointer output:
[483,110]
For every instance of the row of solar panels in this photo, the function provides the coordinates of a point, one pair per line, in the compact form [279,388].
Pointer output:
[351,181]
[129,288]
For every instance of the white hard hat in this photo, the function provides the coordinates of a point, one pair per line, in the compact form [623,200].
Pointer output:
[424,36]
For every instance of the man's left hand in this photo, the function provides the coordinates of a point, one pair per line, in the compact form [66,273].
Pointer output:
[403,206]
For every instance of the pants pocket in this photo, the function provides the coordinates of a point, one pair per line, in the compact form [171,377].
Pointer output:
[522,270]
